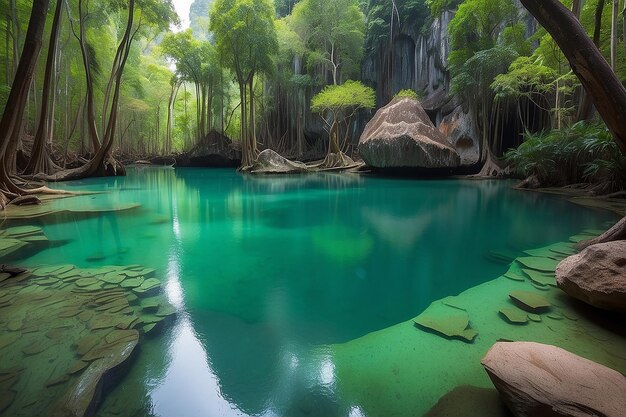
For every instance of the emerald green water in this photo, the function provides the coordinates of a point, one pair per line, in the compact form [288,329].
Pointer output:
[267,273]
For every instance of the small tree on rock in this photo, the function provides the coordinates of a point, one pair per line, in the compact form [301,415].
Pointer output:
[337,105]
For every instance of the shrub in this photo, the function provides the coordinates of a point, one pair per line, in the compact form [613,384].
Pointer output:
[407,94]
[583,152]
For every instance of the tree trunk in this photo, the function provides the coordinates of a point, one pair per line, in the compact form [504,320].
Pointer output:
[586,105]
[14,110]
[617,232]
[614,14]
[596,76]
[40,160]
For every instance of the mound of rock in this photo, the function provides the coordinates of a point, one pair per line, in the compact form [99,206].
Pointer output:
[538,380]
[402,136]
[596,276]
[270,162]
[214,150]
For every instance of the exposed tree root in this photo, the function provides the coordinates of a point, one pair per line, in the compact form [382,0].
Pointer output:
[617,232]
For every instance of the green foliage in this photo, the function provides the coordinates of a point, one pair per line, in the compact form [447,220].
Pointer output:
[332,32]
[407,94]
[349,96]
[245,35]
[437,7]
[580,153]
[412,16]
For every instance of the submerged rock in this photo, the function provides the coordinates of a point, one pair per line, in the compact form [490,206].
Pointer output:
[538,380]
[530,301]
[402,136]
[270,162]
[447,321]
[469,401]
[596,276]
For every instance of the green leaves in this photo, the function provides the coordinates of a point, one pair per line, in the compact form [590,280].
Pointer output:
[245,35]
[581,152]
[350,95]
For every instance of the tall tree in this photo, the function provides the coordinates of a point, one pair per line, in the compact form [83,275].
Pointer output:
[10,124]
[333,32]
[40,161]
[587,62]
[245,36]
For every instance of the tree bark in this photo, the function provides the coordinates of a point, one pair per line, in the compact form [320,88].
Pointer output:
[14,110]
[40,160]
[614,14]
[595,74]
[617,232]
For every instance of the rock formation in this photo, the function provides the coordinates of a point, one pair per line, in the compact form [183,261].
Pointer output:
[538,380]
[270,162]
[402,136]
[215,150]
[596,276]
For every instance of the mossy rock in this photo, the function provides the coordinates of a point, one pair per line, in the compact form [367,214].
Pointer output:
[132,282]
[446,321]
[148,286]
[514,315]
[530,301]
[22,231]
[539,263]
[540,278]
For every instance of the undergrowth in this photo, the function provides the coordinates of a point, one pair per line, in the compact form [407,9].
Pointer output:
[581,153]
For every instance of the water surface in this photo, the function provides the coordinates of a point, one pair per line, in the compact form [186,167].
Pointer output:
[268,272]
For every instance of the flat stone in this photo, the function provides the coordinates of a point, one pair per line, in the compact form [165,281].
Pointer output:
[21,231]
[82,396]
[514,315]
[148,286]
[150,304]
[113,277]
[86,282]
[132,282]
[534,317]
[539,263]
[540,278]
[530,301]
[449,322]
[538,380]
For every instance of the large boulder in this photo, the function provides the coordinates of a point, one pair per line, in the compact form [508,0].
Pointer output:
[596,276]
[402,136]
[538,380]
[214,150]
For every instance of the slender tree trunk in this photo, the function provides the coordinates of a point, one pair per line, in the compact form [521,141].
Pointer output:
[614,15]
[13,114]
[39,159]
[586,105]
[587,62]
[252,132]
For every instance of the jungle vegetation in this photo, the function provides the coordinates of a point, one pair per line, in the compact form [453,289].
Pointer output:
[86,84]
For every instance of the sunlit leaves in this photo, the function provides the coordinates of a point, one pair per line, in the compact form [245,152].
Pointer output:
[350,95]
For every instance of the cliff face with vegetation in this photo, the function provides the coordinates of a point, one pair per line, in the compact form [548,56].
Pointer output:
[417,59]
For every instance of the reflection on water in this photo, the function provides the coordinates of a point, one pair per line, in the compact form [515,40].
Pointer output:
[266,272]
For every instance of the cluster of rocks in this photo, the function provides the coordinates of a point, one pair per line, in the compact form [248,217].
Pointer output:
[64,331]
[542,380]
